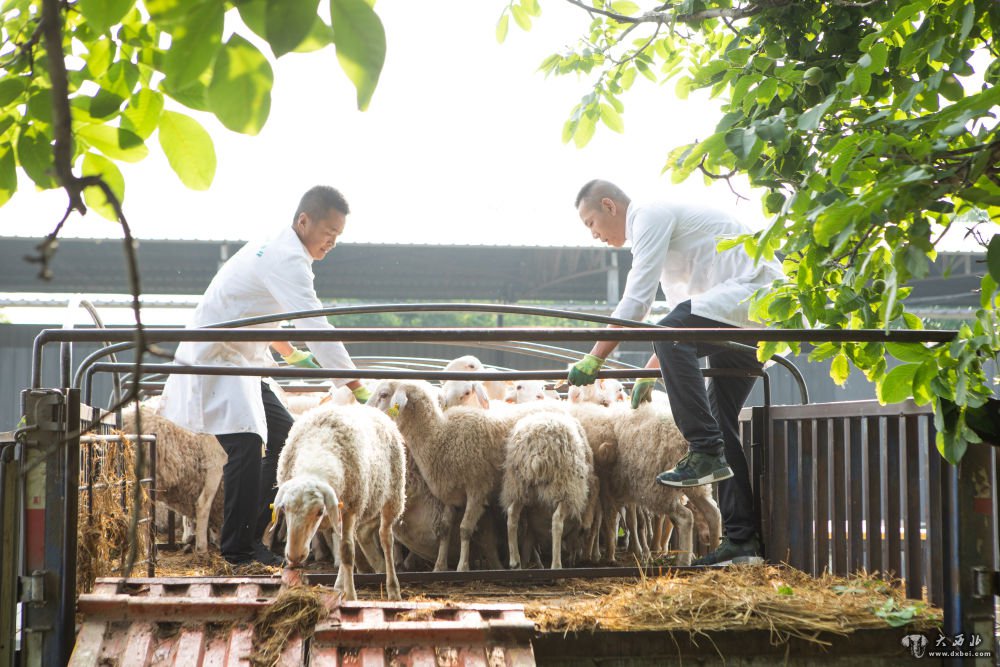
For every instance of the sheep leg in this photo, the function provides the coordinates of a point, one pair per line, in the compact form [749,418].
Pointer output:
[667,529]
[474,508]
[684,522]
[203,508]
[345,575]
[369,547]
[558,522]
[513,518]
[632,523]
[701,497]
[444,542]
[645,529]
[386,539]
[594,537]
[610,531]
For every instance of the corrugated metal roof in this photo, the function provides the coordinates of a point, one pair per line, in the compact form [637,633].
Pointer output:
[208,621]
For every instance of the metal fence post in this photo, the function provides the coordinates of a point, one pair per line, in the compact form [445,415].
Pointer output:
[9,557]
[970,585]
[48,581]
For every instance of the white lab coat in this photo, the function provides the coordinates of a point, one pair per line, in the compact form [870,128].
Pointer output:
[675,245]
[261,279]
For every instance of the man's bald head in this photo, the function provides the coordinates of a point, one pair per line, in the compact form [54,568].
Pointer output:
[594,191]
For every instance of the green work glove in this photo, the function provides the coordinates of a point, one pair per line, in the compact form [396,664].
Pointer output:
[642,391]
[362,394]
[585,371]
[300,358]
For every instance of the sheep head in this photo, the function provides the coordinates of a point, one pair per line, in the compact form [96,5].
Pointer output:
[307,503]
[464,392]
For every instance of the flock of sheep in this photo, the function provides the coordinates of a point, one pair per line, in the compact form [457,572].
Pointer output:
[447,471]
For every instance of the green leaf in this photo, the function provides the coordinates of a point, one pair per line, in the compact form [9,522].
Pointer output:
[99,57]
[624,7]
[188,148]
[8,174]
[102,14]
[320,36]
[909,352]
[194,42]
[503,25]
[254,14]
[240,92]
[988,288]
[611,118]
[584,131]
[168,12]
[98,165]
[288,23]
[142,114]
[11,88]
[115,142]
[34,154]
[105,104]
[521,17]
[360,40]
[741,141]
[809,120]
[532,7]
[785,589]
[922,391]
[840,369]
[993,257]
[897,385]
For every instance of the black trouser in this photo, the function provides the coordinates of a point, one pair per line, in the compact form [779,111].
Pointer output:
[708,417]
[248,481]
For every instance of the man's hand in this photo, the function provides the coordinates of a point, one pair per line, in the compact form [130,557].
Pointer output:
[585,371]
[300,358]
[642,391]
[362,394]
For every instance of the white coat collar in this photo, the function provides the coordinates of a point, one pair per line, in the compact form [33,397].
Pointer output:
[289,236]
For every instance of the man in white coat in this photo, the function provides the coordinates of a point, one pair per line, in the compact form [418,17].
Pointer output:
[242,412]
[674,246]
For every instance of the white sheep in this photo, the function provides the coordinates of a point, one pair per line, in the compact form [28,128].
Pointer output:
[605,391]
[343,467]
[459,453]
[188,469]
[494,389]
[548,464]
[527,391]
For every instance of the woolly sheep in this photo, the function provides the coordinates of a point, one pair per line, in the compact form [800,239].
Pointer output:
[605,391]
[526,391]
[343,467]
[548,464]
[188,469]
[460,453]
[495,389]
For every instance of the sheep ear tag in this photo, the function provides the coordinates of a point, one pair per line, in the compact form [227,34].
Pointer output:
[396,403]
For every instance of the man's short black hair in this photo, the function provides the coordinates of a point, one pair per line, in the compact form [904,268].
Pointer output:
[319,201]
[596,190]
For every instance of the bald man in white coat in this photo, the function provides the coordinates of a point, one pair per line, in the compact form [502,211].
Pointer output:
[241,411]
[674,246]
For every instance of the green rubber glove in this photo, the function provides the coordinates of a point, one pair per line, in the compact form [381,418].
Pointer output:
[362,394]
[300,358]
[642,391]
[585,371]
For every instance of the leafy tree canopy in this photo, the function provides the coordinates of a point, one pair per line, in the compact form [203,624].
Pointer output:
[873,127]
[85,85]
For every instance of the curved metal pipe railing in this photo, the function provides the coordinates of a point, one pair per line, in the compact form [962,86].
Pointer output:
[436,307]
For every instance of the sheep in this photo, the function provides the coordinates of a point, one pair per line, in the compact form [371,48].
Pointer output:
[494,389]
[548,463]
[460,453]
[188,469]
[647,441]
[343,468]
[526,391]
[464,392]
[605,391]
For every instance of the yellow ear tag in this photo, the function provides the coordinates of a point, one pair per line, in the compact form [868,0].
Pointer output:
[274,513]
[393,411]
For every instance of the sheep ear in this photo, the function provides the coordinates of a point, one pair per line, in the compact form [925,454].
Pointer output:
[332,507]
[398,399]
[607,453]
[484,400]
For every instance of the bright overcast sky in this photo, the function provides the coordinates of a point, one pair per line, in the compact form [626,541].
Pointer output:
[461,144]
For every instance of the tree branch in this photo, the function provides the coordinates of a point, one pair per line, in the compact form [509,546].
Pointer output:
[721,177]
[659,15]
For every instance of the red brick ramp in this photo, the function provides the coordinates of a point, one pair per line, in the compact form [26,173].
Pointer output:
[208,621]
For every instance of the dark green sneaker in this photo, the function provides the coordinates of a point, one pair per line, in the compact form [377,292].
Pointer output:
[733,553]
[696,469]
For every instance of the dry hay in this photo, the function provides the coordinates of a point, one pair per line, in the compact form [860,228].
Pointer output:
[209,564]
[103,534]
[295,611]
[782,600]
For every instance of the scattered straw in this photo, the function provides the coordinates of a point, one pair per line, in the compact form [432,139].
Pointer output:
[782,600]
[296,610]
[103,536]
